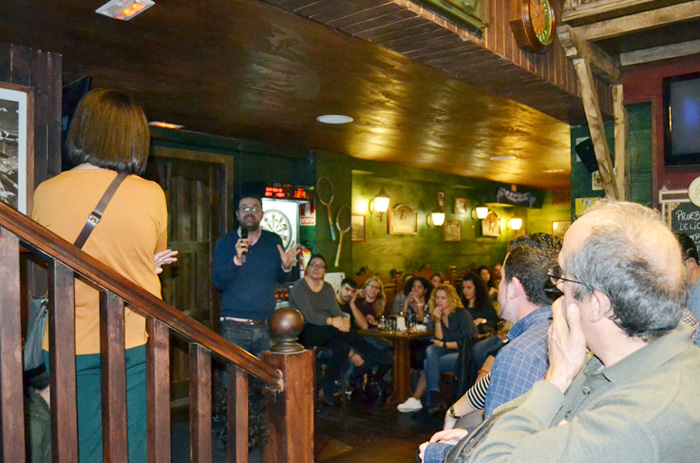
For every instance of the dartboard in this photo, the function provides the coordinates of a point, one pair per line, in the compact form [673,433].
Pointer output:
[276,221]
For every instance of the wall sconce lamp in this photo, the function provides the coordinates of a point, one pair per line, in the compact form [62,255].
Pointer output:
[436,218]
[480,212]
[515,222]
[379,204]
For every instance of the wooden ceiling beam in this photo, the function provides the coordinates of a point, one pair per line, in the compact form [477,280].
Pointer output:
[588,10]
[648,55]
[596,127]
[605,66]
[639,21]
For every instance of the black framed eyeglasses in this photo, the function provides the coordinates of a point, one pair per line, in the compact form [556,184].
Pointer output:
[555,275]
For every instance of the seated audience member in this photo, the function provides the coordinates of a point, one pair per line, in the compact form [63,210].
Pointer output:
[453,325]
[376,353]
[635,397]
[524,300]
[692,271]
[325,324]
[436,280]
[417,300]
[368,307]
[473,293]
[485,273]
[401,297]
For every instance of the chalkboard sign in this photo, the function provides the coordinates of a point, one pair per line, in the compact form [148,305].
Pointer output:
[686,219]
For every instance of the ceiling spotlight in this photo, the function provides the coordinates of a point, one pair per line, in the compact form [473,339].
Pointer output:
[124,10]
[334,119]
[505,157]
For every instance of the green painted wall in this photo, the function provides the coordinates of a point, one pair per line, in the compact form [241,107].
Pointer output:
[356,182]
[639,147]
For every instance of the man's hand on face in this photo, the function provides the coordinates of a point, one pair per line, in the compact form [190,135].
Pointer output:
[567,345]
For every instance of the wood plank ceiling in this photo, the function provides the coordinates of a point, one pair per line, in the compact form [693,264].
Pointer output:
[246,69]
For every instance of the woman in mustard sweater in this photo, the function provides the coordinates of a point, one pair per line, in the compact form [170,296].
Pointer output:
[109,135]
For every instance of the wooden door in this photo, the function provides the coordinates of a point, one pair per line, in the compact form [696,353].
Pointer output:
[199,191]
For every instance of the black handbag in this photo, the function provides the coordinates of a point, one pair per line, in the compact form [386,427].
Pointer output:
[461,452]
[32,354]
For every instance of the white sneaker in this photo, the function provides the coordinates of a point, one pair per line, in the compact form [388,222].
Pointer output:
[411,405]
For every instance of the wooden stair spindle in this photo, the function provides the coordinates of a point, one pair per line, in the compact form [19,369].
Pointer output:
[11,400]
[158,391]
[113,370]
[200,404]
[237,410]
[64,409]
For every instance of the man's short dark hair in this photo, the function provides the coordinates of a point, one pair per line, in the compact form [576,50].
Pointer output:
[529,259]
[348,281]
[688,246]
[245,195]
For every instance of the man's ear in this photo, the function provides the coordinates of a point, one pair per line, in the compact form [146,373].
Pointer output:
[691,262]
[600,306]
[515,288]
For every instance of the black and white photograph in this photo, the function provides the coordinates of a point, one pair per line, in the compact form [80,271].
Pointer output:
[15,109]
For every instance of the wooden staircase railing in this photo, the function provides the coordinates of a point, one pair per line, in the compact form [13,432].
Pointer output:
[288,376]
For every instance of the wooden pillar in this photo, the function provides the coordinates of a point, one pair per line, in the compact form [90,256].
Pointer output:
[622,160]
[289,417]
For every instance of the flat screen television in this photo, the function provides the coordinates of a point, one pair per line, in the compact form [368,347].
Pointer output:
[682,119]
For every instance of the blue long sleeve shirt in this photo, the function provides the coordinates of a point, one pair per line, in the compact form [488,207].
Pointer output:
[522,362]
[248,291]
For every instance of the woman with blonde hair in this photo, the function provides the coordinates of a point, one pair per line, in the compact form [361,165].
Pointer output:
[369,305]
[453,325]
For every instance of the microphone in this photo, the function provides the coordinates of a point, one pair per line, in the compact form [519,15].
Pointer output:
[244,236]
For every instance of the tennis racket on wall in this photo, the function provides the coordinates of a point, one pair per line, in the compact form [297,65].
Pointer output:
[324,193]
[344,222]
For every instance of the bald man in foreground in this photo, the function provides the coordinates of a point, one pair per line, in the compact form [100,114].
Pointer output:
[635,396]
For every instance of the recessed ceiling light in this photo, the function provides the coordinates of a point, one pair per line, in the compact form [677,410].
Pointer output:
[505,157]
[334,119]
[166,125]
[553,171]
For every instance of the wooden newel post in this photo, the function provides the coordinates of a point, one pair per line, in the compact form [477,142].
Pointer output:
[289,417]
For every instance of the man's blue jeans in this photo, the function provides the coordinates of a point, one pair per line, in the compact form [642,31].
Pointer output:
[253,338]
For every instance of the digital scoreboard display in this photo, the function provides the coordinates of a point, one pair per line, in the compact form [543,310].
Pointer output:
[287,191]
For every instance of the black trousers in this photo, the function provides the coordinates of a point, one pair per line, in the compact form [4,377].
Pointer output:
[333,339]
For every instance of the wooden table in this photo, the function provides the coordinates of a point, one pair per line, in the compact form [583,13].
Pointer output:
[402,358]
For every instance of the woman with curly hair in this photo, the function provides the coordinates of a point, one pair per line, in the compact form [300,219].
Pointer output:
[453,325]
[473,293]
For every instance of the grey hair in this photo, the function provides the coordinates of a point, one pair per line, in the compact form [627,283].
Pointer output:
[633,258]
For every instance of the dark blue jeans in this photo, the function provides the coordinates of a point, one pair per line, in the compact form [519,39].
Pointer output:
[253,338]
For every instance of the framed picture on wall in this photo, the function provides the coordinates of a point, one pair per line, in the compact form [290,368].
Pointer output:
[452,231]
[358,227]
[403,220]
[559,227]
[460,205]
[16,145]
[491,225]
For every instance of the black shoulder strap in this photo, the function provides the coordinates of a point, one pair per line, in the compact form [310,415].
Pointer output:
[96,215]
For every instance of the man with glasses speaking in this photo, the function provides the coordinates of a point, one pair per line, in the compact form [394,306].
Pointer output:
[248,263]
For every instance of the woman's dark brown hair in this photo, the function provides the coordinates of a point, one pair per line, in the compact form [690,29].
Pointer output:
[109,130]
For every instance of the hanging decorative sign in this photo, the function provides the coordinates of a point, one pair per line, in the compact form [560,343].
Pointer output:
[514,197]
